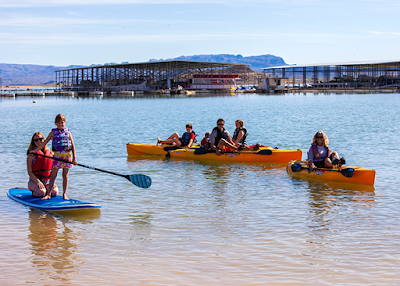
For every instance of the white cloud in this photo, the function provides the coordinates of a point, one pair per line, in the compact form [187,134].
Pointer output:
[35,22]
[54,3]
[83,39]
[385,33]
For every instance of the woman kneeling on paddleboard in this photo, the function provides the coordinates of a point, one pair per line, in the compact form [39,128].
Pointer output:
[320,155]
[39,168]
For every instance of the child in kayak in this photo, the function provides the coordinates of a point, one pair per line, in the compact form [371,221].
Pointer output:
[205,140]
[186,141]
[62,145]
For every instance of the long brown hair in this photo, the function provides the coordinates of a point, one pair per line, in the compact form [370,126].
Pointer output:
[33,146]
[320,132]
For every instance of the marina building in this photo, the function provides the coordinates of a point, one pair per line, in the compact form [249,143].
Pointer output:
[355,75]
[172,75]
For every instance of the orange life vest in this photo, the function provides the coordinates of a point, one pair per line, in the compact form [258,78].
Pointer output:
[41,167]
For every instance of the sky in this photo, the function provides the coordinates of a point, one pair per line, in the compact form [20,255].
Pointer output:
[86,32]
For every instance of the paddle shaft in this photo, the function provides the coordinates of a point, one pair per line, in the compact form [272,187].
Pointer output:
[85,166]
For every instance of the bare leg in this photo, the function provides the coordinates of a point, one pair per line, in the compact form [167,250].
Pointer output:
[53,177]
[328,163]
[174,138]
[36,190]
[54,191]
[223,143]
[65,183]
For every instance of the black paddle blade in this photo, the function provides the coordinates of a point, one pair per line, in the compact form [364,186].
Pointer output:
[264,152]
[348,172]
[142,181]
[296,167]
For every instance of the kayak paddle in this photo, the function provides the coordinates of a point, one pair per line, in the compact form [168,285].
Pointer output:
[139,180]
[347,172]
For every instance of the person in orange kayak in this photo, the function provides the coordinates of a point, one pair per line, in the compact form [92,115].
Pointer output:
[39,168]
[220,139]
[320,155]
[240,134]
[186,141]
[205,140]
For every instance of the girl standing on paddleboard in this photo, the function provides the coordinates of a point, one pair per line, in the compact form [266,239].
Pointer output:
[62,145]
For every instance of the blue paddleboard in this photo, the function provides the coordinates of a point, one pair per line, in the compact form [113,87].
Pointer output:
[55,204]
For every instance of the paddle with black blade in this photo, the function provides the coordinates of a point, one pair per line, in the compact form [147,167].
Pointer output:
[139,180]
[347,172]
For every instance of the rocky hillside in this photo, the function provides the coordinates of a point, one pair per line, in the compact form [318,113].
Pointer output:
[256,63]
[15,74]
[20,74]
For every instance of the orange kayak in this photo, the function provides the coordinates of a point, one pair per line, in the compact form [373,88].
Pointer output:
[348,174]
[148,149]
[145,149]
[262,155]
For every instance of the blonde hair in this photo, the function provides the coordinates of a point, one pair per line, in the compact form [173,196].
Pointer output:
[207,134]
[320,132]
[241,122]
[59,118]
[33,146]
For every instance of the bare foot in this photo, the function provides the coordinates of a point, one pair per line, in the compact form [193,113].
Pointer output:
[158,140]
[65,197]
[46,197]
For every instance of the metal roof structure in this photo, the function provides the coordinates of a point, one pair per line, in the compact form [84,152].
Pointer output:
[136,76]
[358,63]
[177,64]
[361,74]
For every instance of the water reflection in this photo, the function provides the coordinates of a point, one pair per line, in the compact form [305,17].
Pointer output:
[330,201]
[142,225]
[141,158]
[334,191]
[54,246]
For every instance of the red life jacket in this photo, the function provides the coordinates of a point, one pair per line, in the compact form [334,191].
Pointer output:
[41,167]
[316,154]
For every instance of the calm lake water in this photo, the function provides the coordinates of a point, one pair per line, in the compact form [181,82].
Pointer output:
[203,223]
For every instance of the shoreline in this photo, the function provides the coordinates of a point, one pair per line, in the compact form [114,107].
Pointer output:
[41,86]
[45,93]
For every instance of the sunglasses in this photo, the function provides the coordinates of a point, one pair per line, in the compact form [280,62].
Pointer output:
[187,126]
[222,124]
[319,137]
[38,139]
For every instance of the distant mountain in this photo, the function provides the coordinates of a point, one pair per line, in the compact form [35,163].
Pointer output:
[256,63]
[15,74]
[20,74]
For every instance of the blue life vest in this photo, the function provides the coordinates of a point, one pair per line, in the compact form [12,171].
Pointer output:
[61,140]
[185,138]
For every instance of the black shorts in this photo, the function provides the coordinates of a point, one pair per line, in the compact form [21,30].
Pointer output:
[320,164]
